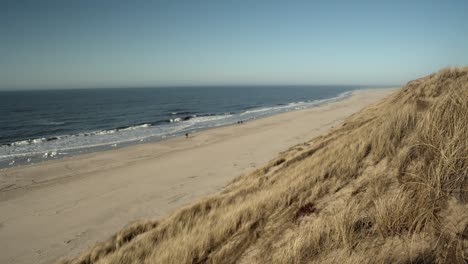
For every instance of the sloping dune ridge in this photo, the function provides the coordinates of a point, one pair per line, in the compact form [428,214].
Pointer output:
[389,185]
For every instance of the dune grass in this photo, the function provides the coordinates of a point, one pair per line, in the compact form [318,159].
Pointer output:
[387,186]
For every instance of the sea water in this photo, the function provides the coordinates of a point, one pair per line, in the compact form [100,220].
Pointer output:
[49,124]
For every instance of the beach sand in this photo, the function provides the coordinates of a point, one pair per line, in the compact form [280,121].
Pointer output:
[59,208]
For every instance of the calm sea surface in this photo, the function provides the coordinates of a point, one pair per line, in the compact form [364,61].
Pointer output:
[41,125]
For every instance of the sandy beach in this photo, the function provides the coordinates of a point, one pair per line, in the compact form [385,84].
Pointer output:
[59,208]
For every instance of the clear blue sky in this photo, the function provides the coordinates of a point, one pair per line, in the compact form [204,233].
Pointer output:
[100,43]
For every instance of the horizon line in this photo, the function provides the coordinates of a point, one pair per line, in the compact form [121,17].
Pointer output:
[69,88]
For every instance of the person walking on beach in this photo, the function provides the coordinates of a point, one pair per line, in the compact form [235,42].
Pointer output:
[186,135]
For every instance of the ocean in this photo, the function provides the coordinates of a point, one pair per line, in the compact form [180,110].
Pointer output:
[50,124]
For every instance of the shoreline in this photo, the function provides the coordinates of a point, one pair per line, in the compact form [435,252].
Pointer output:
[45,152]
[60,207]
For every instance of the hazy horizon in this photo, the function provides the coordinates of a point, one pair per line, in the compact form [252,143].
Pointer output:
[119,44]
[198,86]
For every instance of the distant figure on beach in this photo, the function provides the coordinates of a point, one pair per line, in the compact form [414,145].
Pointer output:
[186,135]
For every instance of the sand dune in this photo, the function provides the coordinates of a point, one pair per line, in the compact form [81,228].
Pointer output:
[60,208]
[389,185]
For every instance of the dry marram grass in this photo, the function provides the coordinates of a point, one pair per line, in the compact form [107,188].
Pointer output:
[388,186]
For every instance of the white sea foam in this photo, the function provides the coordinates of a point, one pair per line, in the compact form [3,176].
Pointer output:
[38,140]
[104,132]
[259,110]
[201,119]
[21,143]
[135,127]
